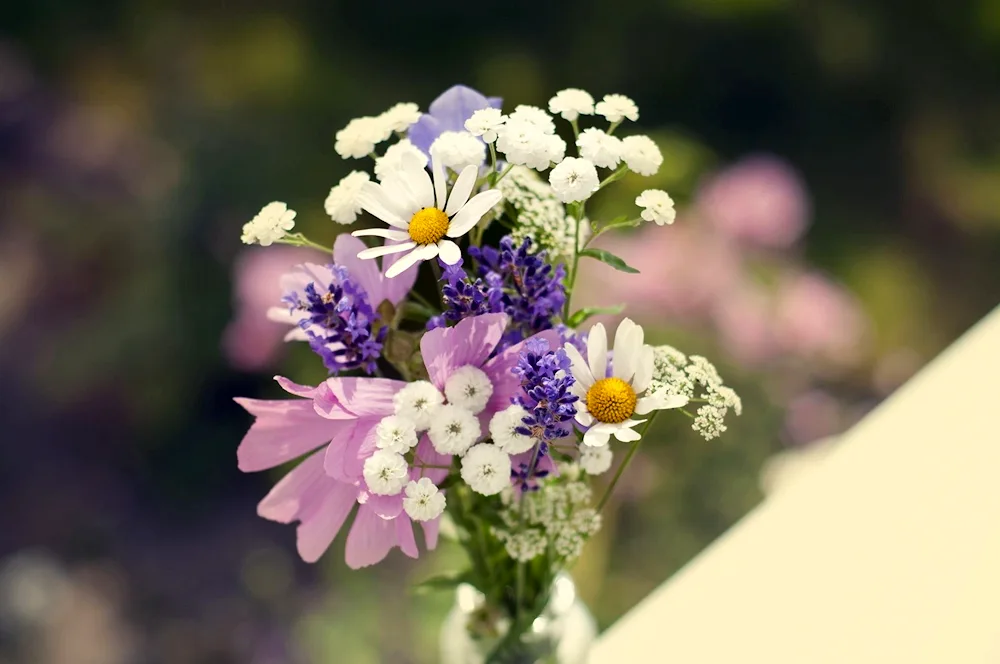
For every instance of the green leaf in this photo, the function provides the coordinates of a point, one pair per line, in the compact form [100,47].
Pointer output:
[620,222]
[585,313]
[609,258]
[442,582]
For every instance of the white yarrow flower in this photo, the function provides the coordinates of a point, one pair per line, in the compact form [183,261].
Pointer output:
[600,147]
[269,225]
[396,434]
[342,201]
[536,116]
[423,500]
[470,388]
[608,404]
[401,116]
[486,469]
[485,122]
[424,217]
[641,154]
[571,103]
[392,160]
[616,107]
[503,430]
[657,206]
[418,402]
[453,430]
[574,179]
[360,136]
[458,149]
[386,473]
[595,460]
[524,143]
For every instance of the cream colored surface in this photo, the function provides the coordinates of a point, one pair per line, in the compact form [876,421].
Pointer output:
[887,552]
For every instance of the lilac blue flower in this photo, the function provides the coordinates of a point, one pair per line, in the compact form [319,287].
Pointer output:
[448,113]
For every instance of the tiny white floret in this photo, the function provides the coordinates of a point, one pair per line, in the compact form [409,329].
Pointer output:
[616,107]
[386,473]
[453,430]
[571,103]
[503,430]
[269,225]
[657,206]
[423,500]
[418,402]
[469,387]
[574,179]
[342,202]
[486,469]
[396,433]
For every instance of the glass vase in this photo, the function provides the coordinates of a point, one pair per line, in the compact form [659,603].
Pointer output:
[474,632]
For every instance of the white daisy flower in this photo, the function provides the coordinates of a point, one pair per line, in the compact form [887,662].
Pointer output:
[616,107]
[360,136]
[641,154]
[571,103]
[608,403]
[393,158]
[418,402]
[453,430]
[396,434]
[657,206]
[342,201]
[503,430]
[595,460]
[401,116]
[458,149]
[486,469]
[269,225]
[485,122]
[422,221]
[470,388]
[600,147]
[535,116]
[574,179]
[423,500]
[386,473]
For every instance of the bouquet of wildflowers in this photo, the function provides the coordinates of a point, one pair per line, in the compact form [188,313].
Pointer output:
[464,389]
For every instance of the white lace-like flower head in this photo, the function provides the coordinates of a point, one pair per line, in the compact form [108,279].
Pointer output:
[423,500]
[423,217]
[536,116]
[360,136]
[386,473]
[608,404]
[503,430]
[392,160]
[657,206]
[401,116]
[418,402]
[342,202]
[574,179]
[599,147]
[641,154]
[571,103]
[485,122]
[595,460]
[523,142]
[470,388]
[486,469]
[453,429]
[616,107]
[269,225]
[458,149]
[396,433]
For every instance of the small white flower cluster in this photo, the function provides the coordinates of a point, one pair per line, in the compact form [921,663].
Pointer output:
[269,225]
[675,373]
[342,201]
[359,138]
[458,149]
[557,515]
[527,136]
[540,215]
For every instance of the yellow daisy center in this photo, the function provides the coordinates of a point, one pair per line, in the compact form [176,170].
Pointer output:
[428,225]
[611,400]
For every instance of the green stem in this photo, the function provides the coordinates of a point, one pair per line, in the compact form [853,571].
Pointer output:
[300,240]
[625,462]
[571,280]
[576,130]
[503,174]
[614,125]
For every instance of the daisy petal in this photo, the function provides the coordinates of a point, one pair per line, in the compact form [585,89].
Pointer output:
[625,350]
[627,435]
[375,252]
[449,252]
[597,351]
[643,369]
[462,190]
[596,437]
[576,388]
[375,201]
[424,253]
[396,186]
[440,183]
[586,419]
[579,366]
[472,212]
[397,236]
[417,180]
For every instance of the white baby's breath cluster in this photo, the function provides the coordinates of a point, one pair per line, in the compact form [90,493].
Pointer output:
[558,515]
[698,379]
[359,138]
[271,224]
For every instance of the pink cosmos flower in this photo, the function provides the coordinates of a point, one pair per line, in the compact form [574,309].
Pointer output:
[335,422]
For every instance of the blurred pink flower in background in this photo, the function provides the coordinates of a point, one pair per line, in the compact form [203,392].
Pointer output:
[812,415]
[759,200]
[744,319]
[251,341]
[815,317]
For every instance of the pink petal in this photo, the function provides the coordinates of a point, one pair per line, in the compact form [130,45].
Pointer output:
[344,459]
[287,385]
[470,342]
[387,507]
[370,540]
[283,430]
[431,533]
[364,396]
[427,454]
[506,384]
[404,536]
[364,272]
[396,289]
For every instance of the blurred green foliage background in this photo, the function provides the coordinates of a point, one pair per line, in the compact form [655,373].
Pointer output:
[137,137]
